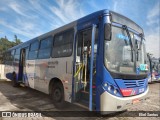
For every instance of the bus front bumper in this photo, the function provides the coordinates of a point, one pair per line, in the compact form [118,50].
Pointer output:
[111,104]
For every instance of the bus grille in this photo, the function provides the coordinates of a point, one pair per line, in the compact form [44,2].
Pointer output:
[134,83]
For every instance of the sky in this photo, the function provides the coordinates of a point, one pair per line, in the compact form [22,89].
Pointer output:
[31,18]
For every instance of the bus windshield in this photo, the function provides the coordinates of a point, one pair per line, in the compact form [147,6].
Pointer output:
[156,65]
[122,51]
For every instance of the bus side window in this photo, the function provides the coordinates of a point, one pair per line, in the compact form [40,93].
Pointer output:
[33,50]
[63,43]
[45,48]
[12,55]
[17,52]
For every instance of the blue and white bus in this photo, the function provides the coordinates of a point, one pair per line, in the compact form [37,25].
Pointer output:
[98,61]
[154,69]
[149,61]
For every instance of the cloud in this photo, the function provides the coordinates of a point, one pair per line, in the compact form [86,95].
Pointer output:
[26,29]
[23,9]
[153,14]
[153,31]
[17,8]
[2,9]
[153,43]
[29,22]
[18,21]
[34,17]
[93,5]
[58,13]
[1,32]
[115,6]
[67,11]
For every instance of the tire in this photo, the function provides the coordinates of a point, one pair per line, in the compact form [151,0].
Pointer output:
[14,82]
[57,95]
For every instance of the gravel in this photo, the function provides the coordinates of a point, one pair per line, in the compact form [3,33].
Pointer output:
[27,99]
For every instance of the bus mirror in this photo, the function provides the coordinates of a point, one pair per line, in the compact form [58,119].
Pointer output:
[108,32]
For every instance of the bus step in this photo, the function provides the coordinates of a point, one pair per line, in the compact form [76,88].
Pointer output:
[85,104]
[85,96]
[87,92]
[81,105]
[93,88]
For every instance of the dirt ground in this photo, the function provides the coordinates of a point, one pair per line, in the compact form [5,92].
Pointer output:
[27,99]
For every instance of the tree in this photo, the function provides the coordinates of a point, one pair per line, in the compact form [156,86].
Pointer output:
[5,44]
[17,41]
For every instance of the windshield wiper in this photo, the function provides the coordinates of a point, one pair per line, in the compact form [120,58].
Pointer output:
[137,50]
[127,31]
[140,46]
[141,35]
[125,37]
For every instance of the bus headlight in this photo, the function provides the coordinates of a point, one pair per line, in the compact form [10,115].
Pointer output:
[115,91]
[109,88]
[105,84]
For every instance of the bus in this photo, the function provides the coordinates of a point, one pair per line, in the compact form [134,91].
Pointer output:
[154,68]
[98,62]
[149,62]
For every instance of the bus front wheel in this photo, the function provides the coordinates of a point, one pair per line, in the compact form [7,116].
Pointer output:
[58,95]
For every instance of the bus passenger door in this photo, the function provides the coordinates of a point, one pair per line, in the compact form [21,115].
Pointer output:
[82,65]
[22,65]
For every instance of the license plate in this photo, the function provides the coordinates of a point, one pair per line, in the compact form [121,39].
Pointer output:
[135,101]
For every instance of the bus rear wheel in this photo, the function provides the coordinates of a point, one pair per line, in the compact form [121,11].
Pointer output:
[57,95]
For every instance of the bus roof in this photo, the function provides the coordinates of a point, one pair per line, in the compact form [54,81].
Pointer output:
[94,15]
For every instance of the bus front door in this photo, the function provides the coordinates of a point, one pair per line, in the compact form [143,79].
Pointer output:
[22,65]
[85,66]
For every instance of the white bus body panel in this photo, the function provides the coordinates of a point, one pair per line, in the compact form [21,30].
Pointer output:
[2,75]
[41,71]
[61,68]
[41,79]
[30,73]
[8,69]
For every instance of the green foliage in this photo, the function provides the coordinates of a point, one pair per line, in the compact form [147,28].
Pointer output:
[5,44]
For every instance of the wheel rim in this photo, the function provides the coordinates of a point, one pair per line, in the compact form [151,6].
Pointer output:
[57,95]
